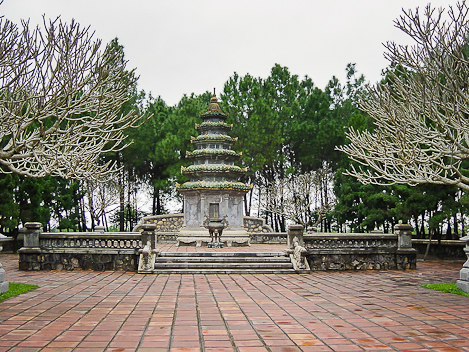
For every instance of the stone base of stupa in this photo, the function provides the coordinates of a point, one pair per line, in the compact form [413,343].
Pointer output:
[199,236]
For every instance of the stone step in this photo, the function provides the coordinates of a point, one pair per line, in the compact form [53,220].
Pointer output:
[222,254]
[212,265]
[223,259]
[223,271]
[223,263]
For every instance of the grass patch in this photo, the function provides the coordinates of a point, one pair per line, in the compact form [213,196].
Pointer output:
[15,289]
[447,287]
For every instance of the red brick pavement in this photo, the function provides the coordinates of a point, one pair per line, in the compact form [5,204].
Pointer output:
[322,311]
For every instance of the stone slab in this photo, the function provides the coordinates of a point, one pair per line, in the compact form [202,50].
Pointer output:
[463,285]
[464,274]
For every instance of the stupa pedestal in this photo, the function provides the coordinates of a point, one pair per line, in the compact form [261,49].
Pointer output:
[229,204]
[213,191]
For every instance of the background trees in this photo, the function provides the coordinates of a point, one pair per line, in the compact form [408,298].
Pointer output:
[288,132]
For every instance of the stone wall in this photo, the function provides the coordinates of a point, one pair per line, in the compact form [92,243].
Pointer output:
[9,244]
[81,250]
[164,223]
[268,238]
[444,249]
[256,225]
[358,252]
[78,259]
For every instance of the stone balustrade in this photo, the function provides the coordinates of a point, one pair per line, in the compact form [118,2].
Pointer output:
[78,250]
[120,251]
[333,251]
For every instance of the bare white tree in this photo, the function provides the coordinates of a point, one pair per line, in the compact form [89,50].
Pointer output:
[102,199]
[421,115]
[60,101]
[298,197]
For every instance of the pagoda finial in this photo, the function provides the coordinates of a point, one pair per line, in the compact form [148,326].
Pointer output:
[214,103]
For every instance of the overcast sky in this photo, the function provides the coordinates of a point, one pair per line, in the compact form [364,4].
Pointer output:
[185,46]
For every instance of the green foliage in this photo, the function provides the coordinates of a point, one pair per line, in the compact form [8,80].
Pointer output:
[25,199]
[9,209]
[447,288]
[258,109]
[15,289]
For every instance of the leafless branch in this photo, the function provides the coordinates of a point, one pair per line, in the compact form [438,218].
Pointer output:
[60,101]
[421,115]
[298,197]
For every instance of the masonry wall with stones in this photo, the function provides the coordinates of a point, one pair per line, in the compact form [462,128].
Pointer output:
[82,250]
[358,252]
[268,238]
[91,260]
[256,225]
[164,223]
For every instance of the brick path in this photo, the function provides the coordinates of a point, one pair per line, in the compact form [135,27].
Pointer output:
[322,311]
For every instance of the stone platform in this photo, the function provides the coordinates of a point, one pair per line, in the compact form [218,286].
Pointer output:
[322,311]
[199,238]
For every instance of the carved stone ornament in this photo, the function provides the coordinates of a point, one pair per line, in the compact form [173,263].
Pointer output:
[298,256]
[148,256]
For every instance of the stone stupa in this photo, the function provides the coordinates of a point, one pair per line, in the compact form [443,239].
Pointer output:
[213,191]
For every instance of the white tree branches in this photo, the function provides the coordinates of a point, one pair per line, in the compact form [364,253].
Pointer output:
[299,197]
[421,114]
[60,101]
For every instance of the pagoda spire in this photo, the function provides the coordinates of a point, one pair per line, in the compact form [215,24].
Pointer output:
[213,186]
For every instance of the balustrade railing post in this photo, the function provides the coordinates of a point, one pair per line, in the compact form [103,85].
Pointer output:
[99,229]
[31,236]
[148,234]
[463,282]
[404,235]
[406,256]
[295,231]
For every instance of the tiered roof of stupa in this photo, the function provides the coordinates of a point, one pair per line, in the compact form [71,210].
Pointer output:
[213,167]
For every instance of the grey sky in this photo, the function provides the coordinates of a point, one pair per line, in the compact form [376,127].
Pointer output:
[185,46]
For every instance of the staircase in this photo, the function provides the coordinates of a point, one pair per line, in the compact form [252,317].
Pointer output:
[223,263]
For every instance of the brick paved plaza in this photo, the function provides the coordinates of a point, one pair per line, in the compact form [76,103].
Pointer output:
[322,311]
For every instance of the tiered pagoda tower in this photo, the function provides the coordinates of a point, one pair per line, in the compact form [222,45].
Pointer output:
[213,191]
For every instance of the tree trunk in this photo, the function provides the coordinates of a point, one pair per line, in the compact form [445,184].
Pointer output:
[428,244]
[158,203]
[448,229]
[128,224]
[455,227]
[91,206]
[121,198]
[422,232]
